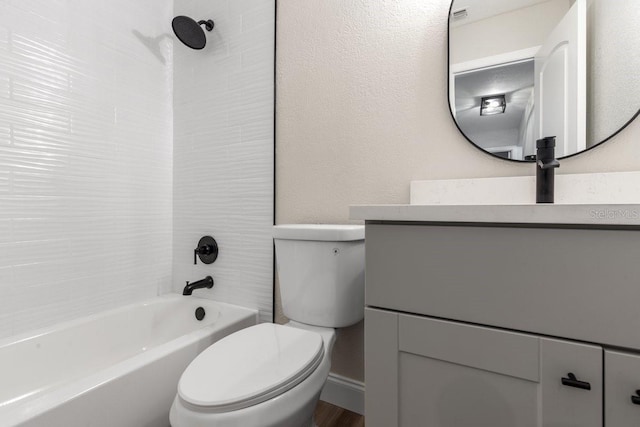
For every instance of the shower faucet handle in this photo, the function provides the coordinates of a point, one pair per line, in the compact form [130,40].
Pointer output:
[207,250]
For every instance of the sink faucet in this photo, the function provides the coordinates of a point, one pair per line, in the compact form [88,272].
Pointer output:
[546,162]
[207,282]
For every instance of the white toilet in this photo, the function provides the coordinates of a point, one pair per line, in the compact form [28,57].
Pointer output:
[271,375]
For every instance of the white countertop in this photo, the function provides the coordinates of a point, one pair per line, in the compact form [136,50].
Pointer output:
[574,214]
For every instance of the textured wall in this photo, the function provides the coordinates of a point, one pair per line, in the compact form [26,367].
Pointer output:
[85,157]
[362,110]
[614,91]
[223,151]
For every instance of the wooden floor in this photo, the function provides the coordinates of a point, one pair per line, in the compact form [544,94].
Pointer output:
[327,415]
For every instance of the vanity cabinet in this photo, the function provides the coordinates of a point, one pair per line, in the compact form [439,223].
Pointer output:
[501,325]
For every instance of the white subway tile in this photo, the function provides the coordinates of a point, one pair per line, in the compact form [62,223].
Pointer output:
[223,153]
[257,130]
[85,157]
[241,7]
[107,140]
[263,14]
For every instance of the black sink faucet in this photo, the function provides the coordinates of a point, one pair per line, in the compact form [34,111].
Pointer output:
[207,282]
[546,162]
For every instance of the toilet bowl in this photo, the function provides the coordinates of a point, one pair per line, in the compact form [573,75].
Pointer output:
[271,375]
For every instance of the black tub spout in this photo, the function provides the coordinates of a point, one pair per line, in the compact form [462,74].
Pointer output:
[207,282]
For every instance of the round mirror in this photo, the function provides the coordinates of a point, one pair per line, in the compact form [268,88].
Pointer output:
[522,70]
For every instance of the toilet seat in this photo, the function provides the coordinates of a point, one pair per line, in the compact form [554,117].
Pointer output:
[250,367]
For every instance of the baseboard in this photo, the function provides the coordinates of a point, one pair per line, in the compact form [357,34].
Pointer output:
[344,392]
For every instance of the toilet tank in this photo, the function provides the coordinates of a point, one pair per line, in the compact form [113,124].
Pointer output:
[321,273]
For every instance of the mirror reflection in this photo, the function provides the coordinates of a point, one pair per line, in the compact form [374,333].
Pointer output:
[521,70]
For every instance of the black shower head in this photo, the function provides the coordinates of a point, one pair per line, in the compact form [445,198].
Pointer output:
[189,31]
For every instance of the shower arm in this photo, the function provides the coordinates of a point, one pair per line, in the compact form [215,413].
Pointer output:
[208,24]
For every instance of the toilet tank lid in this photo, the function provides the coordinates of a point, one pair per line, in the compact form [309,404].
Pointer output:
[319,232]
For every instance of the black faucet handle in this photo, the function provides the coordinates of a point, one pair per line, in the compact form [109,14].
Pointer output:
[548,164]
[207,250]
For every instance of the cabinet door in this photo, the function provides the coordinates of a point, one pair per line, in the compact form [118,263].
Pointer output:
[456,375]
[449,374]
[381,368]
[622,382]
[564,402]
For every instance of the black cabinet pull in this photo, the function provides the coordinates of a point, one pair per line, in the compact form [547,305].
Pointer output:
[636,399]
[573,382]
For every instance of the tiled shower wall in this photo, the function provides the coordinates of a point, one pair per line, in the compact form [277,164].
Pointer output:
[223,151]
[85,157]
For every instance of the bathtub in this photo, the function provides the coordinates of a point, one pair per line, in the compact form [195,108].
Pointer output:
[119,368]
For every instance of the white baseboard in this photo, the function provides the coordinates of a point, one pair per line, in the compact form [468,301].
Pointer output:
[344,392]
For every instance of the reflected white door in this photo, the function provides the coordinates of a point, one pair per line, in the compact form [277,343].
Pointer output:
[561,83]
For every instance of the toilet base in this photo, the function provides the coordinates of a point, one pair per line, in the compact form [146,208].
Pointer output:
[270,415]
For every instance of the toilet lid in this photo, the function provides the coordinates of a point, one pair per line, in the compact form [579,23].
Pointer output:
[250,367]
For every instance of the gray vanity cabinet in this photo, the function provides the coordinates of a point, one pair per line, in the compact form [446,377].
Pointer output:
[476,325]
[450,374]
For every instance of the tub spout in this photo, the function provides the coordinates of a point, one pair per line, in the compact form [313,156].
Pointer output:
[207,282]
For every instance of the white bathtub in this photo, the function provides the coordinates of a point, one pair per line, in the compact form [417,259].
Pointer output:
[114,369]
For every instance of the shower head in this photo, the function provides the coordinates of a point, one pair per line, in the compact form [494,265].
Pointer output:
[189,31]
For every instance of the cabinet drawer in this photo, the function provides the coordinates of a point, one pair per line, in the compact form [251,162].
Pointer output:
[622,381]
[473,346]
[547,281]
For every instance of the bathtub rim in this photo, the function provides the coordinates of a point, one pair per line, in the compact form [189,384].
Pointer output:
[65,324]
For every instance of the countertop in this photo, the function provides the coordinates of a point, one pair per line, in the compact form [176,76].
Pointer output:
[609,215]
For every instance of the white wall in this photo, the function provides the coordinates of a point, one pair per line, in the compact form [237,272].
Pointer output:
[85,157]
[223,151]
[492,139]
[362,111]
[507,32]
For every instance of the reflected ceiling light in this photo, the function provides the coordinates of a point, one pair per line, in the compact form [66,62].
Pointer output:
[491,105]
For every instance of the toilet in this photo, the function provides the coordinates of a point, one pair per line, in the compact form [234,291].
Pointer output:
[271,375]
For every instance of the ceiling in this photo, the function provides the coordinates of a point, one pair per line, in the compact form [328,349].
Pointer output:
[482,9]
